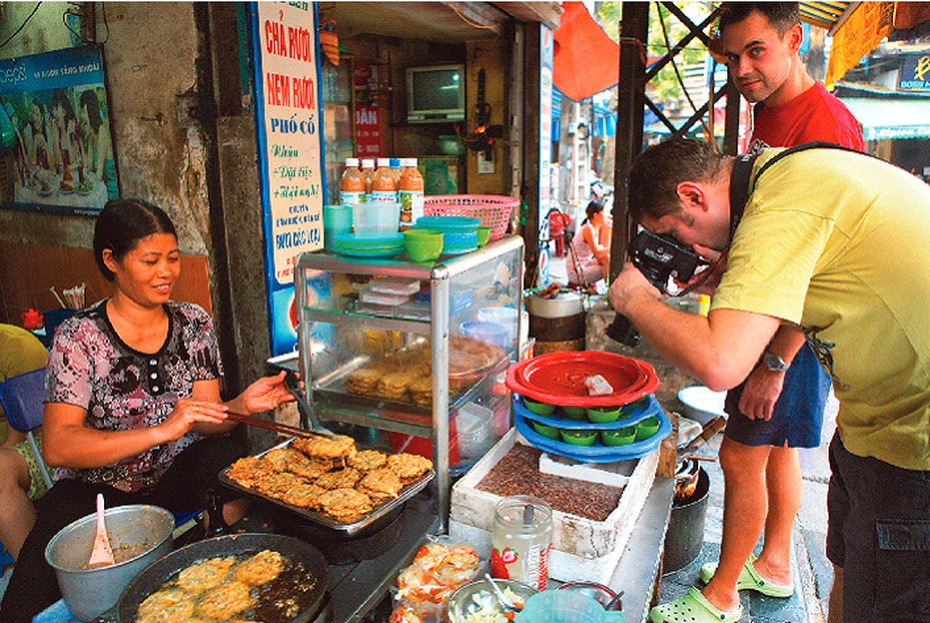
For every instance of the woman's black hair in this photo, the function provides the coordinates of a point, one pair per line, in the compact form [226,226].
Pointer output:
[60,98]
[593,208]
[122,224]
[89,100]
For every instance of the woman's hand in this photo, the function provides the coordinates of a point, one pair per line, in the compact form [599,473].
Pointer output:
[189,412]
[265,394]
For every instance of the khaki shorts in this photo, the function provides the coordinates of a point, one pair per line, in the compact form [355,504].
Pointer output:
[37,486]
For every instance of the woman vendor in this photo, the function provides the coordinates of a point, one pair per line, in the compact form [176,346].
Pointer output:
[133,407]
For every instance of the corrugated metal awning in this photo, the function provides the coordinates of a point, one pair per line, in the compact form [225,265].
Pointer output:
[892,117]
[826,15]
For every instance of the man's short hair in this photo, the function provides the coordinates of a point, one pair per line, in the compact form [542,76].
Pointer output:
[781,15]
[657,171]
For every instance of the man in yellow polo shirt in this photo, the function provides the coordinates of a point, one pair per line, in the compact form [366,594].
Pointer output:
[837,243]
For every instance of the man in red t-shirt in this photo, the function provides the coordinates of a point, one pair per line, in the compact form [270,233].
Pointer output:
[779,408]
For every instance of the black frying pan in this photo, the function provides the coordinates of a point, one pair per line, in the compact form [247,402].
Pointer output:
[159,572]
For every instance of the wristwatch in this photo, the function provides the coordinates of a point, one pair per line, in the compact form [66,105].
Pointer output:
[775,363]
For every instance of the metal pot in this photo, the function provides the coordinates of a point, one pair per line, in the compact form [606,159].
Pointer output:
[91,592]
[561,305]
[162,570]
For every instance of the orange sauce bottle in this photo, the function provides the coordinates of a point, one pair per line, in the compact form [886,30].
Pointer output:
[410,194]
[352,184]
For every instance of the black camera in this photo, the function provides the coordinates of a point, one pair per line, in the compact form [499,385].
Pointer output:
[660,259]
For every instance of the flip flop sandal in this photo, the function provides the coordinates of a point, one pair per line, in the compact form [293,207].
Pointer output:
[749,579]
[693,608]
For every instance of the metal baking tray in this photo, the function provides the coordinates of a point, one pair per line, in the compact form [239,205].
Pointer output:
[346,529]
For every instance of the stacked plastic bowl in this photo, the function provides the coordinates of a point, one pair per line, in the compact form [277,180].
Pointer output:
[374,247]
[459,233]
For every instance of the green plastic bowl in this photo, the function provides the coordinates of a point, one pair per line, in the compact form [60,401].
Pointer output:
[579,437]
[603,415]
[619,436]
[627,409]
[539,408]
[484,234]
[546,431]
[575,413]
[647,428]
[423,245]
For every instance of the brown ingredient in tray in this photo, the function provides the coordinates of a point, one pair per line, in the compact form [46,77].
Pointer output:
[517,473]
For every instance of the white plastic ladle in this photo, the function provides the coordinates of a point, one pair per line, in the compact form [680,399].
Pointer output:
[102,555]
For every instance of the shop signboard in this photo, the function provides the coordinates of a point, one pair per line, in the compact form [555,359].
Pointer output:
[288,105]
[915,72]
[368,113]
[58,153]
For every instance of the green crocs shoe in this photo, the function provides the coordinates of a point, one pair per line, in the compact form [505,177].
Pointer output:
[693,608]
[750,580]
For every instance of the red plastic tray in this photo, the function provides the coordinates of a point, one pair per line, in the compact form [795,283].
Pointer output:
[557,378]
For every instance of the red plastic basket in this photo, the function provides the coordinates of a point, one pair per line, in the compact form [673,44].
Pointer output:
[492,210]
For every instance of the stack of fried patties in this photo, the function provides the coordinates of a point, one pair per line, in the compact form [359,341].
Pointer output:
[406,376]
[329,475]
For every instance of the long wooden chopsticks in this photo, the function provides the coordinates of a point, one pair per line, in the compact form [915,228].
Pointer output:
[278,427]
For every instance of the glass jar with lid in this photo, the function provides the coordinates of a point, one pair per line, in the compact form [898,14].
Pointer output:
[521,539]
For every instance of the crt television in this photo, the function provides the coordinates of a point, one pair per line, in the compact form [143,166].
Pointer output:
[435,94]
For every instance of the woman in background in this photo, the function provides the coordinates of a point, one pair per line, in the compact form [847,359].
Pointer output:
[133,407]
[589,260]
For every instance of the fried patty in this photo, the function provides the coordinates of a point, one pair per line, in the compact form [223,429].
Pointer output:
[325,447]
[339,479]
[366,460]
[165,606]
[205,575]
[345,505]
[409,467]
[260,569]
[381,485]
[225,601]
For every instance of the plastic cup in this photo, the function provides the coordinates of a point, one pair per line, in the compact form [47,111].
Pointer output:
[337,219]
[375,219]
[485,331]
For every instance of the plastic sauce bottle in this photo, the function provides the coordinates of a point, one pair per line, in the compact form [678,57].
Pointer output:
[410,194]
[383,186]
[521,539]
[396,169]
[368,173]
[352,185]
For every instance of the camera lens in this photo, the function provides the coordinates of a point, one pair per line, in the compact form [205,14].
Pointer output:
[622,330]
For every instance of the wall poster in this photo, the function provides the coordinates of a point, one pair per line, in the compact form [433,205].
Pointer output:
[62,157]
[288,97]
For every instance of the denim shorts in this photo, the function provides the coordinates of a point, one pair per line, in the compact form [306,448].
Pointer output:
[879,533]
[798,414]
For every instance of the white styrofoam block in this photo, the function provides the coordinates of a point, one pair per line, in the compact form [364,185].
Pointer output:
[583,549]
[610,474]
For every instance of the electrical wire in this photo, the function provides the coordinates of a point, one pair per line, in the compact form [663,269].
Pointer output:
[468,21]
[23,25]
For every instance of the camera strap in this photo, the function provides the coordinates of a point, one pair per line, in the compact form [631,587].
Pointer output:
[742,175]
[739,188]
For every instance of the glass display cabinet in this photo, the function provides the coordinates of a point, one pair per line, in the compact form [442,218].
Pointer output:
[413,349]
